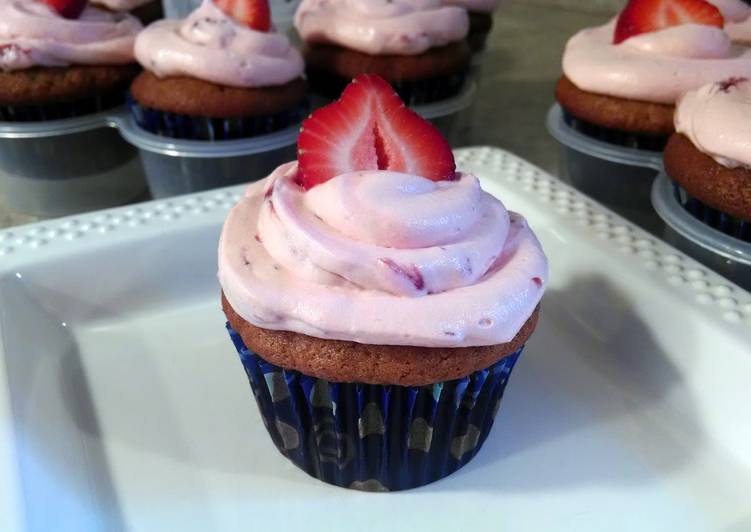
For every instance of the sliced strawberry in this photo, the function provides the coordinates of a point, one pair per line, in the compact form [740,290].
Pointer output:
[67,8]
[370,128]
[253,13]
[643,16]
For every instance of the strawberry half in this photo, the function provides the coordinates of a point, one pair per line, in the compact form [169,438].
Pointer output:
[67,8]
[643,16]
[252,13]
[370,128]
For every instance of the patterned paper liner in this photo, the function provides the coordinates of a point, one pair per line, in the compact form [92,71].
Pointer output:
[627,139]
[188,127]
[412,92]
[723,222]
[375,437]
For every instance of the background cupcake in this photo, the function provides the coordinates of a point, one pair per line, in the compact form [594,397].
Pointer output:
[62,58]
[219,74]
[621,80]
[378,298]
[480,20]
[146,11]
[418,47]
[709,158]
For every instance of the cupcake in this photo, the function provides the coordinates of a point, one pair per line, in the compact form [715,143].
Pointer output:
[708,157]
[378,298]
[146,11]
[621,80]
[220,74]
[480,20]
[418,47]
[62,58]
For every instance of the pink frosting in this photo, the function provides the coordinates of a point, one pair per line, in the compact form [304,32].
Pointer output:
[655,67]
[717,120]
[121,5]
[477,6]
[732,10]
[211,46]
[34,34]
[381,257]
[402,27]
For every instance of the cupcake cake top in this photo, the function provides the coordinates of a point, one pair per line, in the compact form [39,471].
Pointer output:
[401,27]
[68,32]
[716,118]
[477,6]
[646,55]
[372,236]
[121,5]
[227,42]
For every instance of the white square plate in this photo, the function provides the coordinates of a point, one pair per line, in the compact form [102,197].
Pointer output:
[123,405]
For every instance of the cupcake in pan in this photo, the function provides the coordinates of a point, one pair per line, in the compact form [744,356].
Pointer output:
[621,80]
[378,298]
[709,158]
[63,58]
[146,11]
[419,46]
[480,20]
[222,73]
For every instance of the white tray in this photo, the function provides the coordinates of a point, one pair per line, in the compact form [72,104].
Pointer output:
[126,407]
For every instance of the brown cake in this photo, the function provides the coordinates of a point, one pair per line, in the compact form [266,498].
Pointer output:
[339,361]
[480,25]
[191,96]
[437,73]
[150,12]
[42,85]
[725,189]
[615,113]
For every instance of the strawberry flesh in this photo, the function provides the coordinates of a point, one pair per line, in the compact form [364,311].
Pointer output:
[254,14]
[370,128]
[67,8]
[644,16]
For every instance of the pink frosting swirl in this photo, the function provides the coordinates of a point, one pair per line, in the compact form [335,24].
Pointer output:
[717,120]
[477,6]
[33,34]
[402,27]
[211,46]
[121,5]
[655,67]
[381,257]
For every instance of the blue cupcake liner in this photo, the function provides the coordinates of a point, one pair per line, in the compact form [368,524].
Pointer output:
[61,110]
[189,127]
[627,139]
[412,92]
[375,437]
[721,221]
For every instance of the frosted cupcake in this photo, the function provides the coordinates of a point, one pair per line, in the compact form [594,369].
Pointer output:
[222,73]
[480,20]
[146,11]
[621,80]
[709,158]
[418,46]
[378,298]
[63,61]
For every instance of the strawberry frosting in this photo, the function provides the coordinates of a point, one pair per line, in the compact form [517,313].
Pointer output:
[121,5]
[656,67]
[33,34]
[717,120]
[401,27]
[381,257]
[477,6]
[211,46]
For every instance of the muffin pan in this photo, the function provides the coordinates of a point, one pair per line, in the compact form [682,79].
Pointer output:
[124,406]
